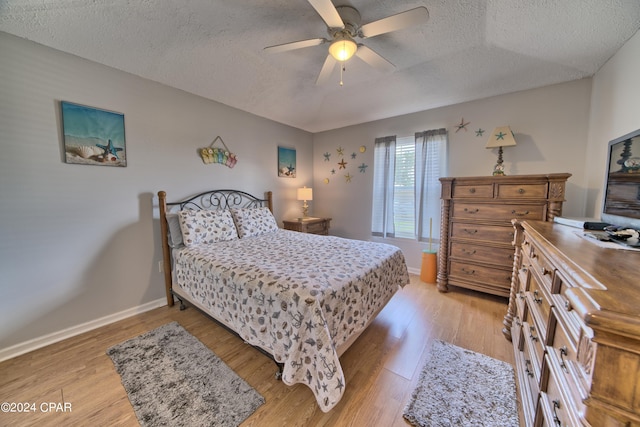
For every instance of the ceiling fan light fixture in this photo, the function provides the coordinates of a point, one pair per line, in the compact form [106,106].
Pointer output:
[343,48]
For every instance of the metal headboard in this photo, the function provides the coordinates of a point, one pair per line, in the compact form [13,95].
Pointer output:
[213,200]
[223,199]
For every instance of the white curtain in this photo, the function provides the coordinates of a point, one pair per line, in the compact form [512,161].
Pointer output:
[383,184]
[431,164]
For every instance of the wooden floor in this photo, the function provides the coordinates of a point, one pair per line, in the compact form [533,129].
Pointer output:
[381,368]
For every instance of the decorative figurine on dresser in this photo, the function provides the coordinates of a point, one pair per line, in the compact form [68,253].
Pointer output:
[476,234]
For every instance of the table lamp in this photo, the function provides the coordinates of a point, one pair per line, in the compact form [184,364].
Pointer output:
[500,137]
[305,194]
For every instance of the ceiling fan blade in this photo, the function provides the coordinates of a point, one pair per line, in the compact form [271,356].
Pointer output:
[374,59]
[402,20]
[328,13]
[327,69]
[294,45]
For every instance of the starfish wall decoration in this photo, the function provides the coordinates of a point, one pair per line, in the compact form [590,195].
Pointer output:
[342,164]
[462,125]
[479,132]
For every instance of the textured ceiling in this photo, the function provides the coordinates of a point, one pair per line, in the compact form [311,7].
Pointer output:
[468,49]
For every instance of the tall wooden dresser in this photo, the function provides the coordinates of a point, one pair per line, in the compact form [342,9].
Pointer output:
[476,234]
[574,320]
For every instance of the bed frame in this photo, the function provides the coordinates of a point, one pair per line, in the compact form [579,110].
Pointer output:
[212,200]
[215,200]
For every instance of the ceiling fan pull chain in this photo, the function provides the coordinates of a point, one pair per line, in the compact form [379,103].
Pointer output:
[342,68]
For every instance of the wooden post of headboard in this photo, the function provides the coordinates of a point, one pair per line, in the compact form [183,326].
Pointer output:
[166,254]
[269,195]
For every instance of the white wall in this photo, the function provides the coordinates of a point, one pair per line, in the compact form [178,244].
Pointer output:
[615,111]
[78,243]
[550,125]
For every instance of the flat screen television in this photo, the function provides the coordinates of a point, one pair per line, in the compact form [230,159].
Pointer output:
[621,201]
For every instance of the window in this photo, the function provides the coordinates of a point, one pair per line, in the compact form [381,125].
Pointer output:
[406,189]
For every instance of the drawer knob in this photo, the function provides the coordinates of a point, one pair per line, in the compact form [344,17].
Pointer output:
[564,352]
[545,271]
[471,211]
[531,331]
[529,372]
[468,252]
[521,294]
[521,191]
[556,420]
[536,297]
[567,305]
[520,213]
[466,230]
[472,190]
[469,272]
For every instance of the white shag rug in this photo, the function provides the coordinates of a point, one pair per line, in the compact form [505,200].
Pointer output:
[172,379]
[459,387]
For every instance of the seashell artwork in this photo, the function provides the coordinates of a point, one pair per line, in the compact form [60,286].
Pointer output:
[93,136]
[86,151]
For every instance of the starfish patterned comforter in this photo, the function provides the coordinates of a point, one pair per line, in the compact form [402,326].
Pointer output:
[298,296]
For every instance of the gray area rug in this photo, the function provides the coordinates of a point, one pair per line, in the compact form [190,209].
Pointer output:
[459,387]
[172,379]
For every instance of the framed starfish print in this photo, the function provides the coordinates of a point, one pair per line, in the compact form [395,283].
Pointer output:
[93,136]
[286,162]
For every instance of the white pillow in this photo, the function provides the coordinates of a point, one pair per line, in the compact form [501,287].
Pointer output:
[206,227]
[254,221]
[175,234]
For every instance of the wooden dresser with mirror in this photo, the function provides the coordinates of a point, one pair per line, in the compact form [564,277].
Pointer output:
[574,320]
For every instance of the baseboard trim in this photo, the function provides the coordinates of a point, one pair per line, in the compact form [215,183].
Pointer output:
[415,271]
[43,341]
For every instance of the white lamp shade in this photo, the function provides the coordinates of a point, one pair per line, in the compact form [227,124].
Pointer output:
[501,137]
[305,193]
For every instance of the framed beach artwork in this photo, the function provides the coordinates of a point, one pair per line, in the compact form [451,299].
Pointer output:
[286,162]
[93,136]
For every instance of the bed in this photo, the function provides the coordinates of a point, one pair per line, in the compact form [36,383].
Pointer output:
[303,299]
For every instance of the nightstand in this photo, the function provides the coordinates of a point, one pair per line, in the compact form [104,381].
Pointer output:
[308,225]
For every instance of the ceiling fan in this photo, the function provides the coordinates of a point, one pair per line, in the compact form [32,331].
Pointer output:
[344,27]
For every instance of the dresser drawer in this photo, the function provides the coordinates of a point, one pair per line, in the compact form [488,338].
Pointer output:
[481,274]
[555,408]
[498,212]
[516,332]
[562,354]
[522,191]
[317,228]
[309,225]
[489,233]
[479,253]
[539,302]
[484,191]
[534,338]
[533,370]
[527,384]
[541,265]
